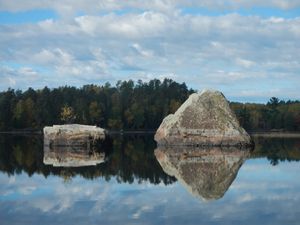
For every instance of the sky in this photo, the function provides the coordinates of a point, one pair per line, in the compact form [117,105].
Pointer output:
[249,50]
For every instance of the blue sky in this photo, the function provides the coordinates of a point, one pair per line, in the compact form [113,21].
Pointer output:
[249,50]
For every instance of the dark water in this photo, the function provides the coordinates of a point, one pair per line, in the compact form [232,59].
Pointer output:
[127,182]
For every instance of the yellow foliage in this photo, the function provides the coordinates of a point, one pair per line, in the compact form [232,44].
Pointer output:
[67,114]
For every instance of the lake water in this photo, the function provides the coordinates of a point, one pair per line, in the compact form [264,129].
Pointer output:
[127,181]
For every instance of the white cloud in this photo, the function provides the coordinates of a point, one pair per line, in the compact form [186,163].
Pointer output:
[67,65]
[26,190]
[141,51]
[140,211]
[245,63]
[17,77]
[245,198]
[229,50]
[68,7]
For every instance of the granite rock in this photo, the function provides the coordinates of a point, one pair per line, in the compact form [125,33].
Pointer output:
[204,119]
[72,135]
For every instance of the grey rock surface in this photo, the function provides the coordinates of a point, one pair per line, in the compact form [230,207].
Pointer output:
[72,135]
[206,173]
[204,119]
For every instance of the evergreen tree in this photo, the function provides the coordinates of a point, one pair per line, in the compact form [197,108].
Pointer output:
[128,105]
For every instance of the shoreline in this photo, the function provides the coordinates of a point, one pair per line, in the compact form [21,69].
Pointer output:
[271,134]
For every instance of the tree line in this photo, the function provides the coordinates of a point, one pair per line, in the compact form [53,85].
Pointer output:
[127,105]
[277,115]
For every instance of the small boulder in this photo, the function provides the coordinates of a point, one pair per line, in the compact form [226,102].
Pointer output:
[204,119]
[72,135]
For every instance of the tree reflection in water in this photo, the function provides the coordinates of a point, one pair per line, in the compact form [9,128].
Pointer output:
[127,158]
[131,158]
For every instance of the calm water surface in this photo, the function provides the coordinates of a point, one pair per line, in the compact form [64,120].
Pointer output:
[129,181]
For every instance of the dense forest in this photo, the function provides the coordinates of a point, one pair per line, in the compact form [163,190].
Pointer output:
[128,106]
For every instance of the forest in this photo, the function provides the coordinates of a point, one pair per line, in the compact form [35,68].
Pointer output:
[127,106]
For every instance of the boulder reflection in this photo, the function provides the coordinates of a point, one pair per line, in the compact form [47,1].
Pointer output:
[72,156]
[128,158]
[205,172]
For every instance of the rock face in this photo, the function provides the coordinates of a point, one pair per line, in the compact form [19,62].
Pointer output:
[204,119]
[72,135]
[206,173]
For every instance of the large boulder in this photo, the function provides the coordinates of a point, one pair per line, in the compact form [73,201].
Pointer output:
[204,119]
[72,135]
[206,173]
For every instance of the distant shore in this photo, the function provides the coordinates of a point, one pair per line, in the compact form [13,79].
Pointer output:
[271,134]
[112,132]
[22,132]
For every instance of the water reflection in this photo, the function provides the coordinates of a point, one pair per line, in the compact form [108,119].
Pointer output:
[127,159]
[206,173]
[69,156]
[131,187]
